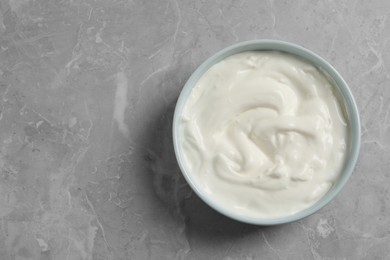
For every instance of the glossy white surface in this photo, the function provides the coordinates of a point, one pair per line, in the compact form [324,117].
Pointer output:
[263,134]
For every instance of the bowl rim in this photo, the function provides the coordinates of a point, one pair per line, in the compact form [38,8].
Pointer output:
[317,61]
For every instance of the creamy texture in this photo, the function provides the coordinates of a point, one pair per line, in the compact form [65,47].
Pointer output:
[264,133]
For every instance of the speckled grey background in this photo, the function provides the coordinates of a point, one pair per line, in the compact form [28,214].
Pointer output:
[87,92]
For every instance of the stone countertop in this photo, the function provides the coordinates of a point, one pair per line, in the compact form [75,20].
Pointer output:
[87,92]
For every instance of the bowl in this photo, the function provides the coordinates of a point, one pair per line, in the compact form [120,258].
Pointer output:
[338,82]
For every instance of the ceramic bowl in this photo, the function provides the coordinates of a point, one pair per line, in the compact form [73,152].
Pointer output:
[326,68]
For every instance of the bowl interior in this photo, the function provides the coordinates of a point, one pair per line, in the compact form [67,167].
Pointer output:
[340,85]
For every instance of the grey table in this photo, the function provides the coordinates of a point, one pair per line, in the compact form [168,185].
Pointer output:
[87,93]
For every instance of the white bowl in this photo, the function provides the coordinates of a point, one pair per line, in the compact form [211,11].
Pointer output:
[340,84]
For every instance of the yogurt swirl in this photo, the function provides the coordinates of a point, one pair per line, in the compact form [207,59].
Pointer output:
[265,133]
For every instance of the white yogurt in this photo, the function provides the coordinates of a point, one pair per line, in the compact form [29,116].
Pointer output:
[264,133]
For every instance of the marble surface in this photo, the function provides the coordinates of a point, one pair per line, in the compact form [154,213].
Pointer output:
[87,92]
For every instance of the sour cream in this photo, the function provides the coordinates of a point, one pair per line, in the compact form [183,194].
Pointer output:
[264,133]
